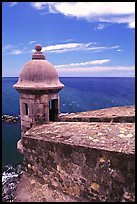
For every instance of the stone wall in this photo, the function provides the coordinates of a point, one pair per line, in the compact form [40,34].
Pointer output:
[121,114]
[94,174]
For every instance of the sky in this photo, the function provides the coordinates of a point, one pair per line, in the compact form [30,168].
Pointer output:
[81,39]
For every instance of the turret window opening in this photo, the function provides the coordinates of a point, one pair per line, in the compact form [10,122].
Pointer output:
[50,105]
[26,109]
[53,110]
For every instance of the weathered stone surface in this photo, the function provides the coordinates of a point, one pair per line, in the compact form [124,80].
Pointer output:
[114,114]
[103,136]
[31,190]
[65,158]
[92,161]
[25,123]
[26,118]
[20,146]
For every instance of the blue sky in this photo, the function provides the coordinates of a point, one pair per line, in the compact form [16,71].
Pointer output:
[88,39]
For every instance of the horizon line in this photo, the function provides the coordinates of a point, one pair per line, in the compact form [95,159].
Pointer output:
[79,76]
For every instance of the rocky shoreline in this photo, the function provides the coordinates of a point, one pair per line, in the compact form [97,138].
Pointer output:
[10,178]
[10,118]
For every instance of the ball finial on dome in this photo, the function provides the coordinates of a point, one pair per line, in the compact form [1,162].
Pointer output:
[38,55]
[38,47]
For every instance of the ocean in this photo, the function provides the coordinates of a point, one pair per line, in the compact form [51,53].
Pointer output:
[79,94]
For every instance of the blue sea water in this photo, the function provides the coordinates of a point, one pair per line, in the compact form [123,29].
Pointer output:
[79,94]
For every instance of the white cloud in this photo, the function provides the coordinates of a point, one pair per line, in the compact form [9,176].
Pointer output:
[96,70]
[114,12]
[132,24]
[100,26]
[11,4]
[62,47]
[119,50]
[69,40]
[32,41]
[129,19]
[11,49]
[16,52]
[59,48]
[73,65]
[7,47]
[39,5]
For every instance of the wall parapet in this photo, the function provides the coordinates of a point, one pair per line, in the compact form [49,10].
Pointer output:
[94,161]
[88,156]
[122,114]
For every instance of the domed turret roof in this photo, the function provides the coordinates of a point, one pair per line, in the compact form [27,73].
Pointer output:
[38,74]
